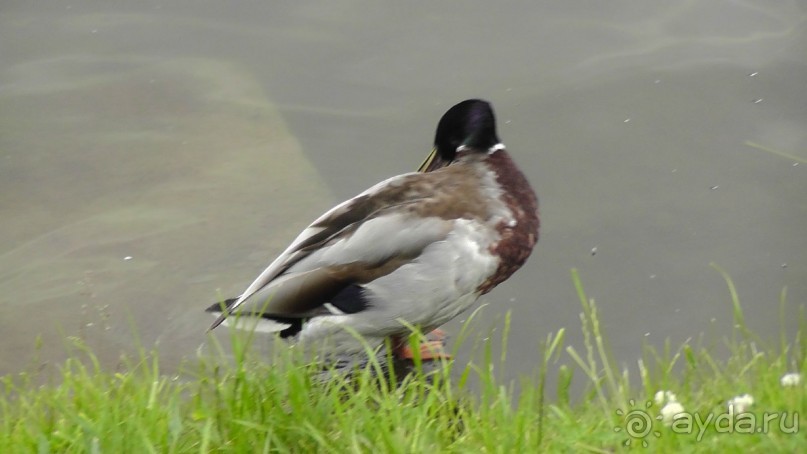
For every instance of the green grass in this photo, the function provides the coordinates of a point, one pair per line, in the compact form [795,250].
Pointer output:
[244,404]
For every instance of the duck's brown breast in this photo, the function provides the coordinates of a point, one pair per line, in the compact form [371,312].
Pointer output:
[519,234]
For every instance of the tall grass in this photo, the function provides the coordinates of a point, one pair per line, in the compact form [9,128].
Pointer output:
[239,401]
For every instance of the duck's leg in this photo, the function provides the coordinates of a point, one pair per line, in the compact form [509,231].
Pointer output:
[431,349]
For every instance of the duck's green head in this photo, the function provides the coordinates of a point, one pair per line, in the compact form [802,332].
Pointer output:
[468,125]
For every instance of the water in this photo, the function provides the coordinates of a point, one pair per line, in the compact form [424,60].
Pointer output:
[155,156]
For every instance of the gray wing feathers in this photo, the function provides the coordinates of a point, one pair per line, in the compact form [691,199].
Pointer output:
[365,232]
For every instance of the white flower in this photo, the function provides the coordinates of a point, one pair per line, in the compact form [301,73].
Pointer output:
[740,404]
[672,411]
[791,379]
[662,397]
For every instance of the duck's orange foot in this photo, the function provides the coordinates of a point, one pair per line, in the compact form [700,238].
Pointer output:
[436,335]
[431,350]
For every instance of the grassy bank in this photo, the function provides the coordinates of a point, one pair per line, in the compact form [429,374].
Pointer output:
[244,405]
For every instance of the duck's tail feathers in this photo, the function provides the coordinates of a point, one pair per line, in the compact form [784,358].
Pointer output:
[254,321]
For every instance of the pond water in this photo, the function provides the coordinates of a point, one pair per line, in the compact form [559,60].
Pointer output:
[155,156]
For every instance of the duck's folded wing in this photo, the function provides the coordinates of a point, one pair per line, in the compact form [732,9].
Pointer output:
[305,293]
[351,243]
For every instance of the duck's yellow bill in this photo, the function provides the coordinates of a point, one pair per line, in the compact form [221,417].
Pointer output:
[427,162]
[432,162]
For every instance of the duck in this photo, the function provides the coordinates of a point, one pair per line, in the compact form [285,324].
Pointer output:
[415,250]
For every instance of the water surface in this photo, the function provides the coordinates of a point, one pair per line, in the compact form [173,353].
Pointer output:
[155,156]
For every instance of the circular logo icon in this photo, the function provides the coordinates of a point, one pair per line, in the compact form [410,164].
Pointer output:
[637,424]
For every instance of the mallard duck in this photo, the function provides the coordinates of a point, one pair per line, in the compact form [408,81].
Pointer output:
[416,249]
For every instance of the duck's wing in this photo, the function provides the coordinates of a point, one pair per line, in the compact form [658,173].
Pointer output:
[355,242]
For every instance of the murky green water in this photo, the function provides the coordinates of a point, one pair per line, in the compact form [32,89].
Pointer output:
[155,156]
